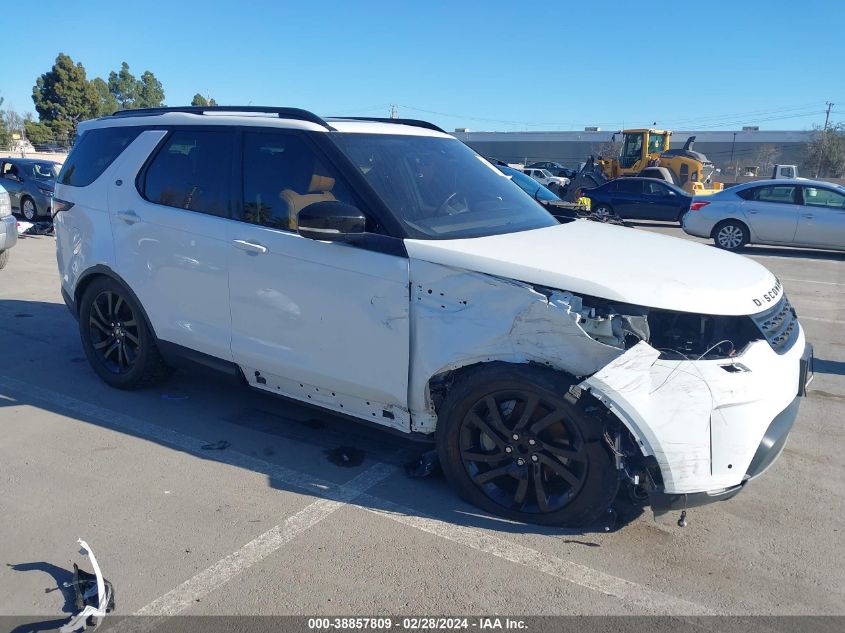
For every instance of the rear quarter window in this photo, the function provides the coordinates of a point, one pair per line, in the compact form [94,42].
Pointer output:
[94,152]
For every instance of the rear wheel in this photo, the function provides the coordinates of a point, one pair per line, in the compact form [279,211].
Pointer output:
[513,440]
[116,338]
[4,258]
[730,235]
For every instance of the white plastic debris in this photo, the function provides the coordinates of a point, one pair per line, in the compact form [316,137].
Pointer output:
[78,622]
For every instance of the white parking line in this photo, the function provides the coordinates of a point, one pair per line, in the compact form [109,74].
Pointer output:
[335,496]
[221,572]
[813,281]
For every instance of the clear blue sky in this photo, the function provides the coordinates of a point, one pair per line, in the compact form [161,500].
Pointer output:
[483,65]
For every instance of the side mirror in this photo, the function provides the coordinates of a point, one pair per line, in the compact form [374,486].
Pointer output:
[331,221]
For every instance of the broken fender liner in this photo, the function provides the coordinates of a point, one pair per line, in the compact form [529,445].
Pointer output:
[94,594]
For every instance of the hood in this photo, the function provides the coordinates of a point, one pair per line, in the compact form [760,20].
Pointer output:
[45,183]
[616,263]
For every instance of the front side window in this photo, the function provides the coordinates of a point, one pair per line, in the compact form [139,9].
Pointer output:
[282,175]
[438,188]
[815,197]
[192,171]
[94,152]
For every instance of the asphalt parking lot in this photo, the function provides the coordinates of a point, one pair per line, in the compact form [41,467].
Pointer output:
[201,497]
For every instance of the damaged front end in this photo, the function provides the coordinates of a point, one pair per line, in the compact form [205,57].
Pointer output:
[687,400]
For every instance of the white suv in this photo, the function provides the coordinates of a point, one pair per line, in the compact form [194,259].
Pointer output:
[383,270]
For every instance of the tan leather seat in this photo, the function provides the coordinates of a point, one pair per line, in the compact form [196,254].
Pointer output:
[320,190]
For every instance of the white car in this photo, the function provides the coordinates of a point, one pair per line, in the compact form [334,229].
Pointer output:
[8,227]
[385,271]
[545,177]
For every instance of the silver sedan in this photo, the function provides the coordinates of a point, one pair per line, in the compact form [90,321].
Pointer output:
[806,213]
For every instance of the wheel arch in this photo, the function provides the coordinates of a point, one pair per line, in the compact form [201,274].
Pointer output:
[731,218]
[98,271]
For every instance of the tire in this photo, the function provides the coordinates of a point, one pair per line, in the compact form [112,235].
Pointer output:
[730,235]
[4,258]
[28,209]
[603,212]
[494,471]
[116,338]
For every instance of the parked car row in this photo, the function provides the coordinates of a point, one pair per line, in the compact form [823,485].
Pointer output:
[29,183]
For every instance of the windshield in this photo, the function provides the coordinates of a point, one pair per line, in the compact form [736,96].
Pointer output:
[438,188]
[528,184]
[43,170]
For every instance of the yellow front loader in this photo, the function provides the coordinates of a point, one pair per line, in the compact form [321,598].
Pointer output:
[646,149]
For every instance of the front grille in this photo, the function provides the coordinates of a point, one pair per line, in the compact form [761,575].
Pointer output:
[779,325]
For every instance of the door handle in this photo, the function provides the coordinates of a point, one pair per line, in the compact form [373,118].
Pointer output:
[249,247]
[809,216]
[130,217]
[752,212]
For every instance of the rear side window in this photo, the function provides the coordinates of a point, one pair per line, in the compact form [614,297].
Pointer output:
[192,171]
[94,152]
[784,194]
[630,186]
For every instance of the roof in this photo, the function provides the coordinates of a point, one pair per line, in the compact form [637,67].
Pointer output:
[255,116]
[28,161]
[789,181]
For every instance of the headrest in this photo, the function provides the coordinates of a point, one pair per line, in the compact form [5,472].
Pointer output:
[320,184]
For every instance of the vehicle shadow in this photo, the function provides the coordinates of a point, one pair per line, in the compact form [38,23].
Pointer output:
[792,253]
[652,224]
[348,448]
[822,366]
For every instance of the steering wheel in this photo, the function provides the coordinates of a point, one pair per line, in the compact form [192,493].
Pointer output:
[447,204]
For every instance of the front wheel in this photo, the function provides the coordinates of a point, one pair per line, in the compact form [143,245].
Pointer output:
[116,338]
[513,440]
[29,210]
[4,258]
[730,235]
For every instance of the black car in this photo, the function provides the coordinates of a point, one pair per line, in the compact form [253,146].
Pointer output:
[639,199]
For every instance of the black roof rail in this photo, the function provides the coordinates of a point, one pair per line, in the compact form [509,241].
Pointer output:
[412,122]
[282,113]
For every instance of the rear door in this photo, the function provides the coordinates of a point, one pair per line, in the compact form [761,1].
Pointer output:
[170,216]
[323,322]
[772,211]
[628,198]
[821,221]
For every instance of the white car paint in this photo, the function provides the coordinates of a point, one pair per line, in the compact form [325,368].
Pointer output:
[364,333]
[607,261]
[545,177]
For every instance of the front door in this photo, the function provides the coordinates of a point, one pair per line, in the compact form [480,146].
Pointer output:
[821,221]
[322,322]
[171,233]
[12,182]
[661,203]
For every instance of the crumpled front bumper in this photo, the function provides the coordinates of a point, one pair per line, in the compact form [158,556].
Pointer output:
[711,425]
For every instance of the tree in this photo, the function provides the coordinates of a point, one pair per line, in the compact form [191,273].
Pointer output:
[201,101]
[609,149]
[106,104]
[150,91]
[65,94]
[825,153]
[767,156]
[130,93]
[123,87]
[38,132]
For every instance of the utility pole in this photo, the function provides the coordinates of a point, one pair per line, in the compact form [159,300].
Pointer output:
[732,155]
[824,131]
[394,111]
